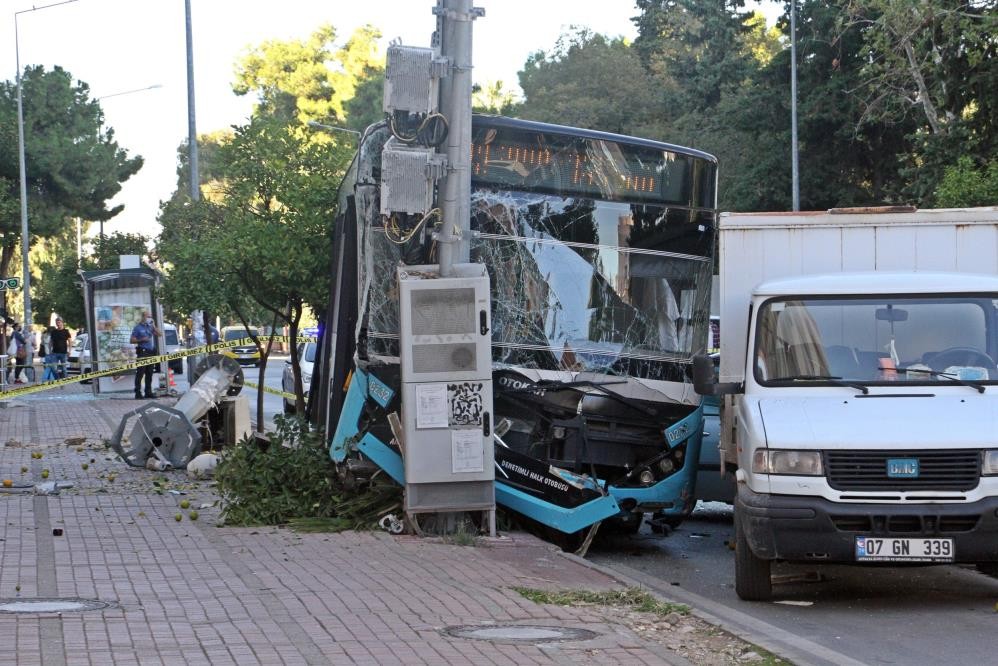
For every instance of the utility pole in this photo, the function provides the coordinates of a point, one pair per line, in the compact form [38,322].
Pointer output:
[192,135]
[795,169]
[192,131]
[454,21]
[25,238]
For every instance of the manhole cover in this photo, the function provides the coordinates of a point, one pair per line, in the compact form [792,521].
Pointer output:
[520,633]
[50,605]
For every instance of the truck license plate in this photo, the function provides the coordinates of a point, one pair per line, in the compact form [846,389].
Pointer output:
[876,549]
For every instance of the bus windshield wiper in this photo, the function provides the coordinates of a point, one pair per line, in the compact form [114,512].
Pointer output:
[947,375]
[831,379]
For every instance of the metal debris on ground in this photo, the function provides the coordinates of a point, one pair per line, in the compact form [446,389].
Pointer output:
[166,437]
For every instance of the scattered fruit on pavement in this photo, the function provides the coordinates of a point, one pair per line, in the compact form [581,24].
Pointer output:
[184,504]
[7,483]
[45,474]
[24,469]
[178,517]
[193,515]
[84,465]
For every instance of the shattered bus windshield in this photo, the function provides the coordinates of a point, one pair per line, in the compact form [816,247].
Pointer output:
[599,252]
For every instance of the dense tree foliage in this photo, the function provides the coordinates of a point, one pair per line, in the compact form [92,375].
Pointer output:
[73,163]
[588,80]
[293,79]
[891,94]
[60,290]
[256,247]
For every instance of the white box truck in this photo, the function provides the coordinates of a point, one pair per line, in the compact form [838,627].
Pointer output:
[860,390]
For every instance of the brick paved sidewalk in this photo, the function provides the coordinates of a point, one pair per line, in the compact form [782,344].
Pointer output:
[193,593]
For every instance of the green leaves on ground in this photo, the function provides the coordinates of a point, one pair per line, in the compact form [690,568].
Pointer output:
[268,485]
[294,481]
[630,598]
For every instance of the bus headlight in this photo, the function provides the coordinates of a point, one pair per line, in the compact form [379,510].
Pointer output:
[794,463]
[989,466]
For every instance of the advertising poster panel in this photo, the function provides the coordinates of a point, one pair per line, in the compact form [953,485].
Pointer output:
[116,312]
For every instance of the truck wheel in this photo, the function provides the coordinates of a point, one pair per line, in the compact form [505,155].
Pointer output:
[753,581]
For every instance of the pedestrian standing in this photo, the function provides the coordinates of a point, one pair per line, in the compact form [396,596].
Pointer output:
[17,350]
[144,338]
[59,338]
[45,351]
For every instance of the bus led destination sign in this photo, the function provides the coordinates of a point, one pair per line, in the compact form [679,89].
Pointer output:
[579,166]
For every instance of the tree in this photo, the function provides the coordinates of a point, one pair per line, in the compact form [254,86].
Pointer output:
[696,49]
[293,80]
[933,64]
[572,84]
[965,184]
[73,163]
[256,247]
[264,246]
[60,291]
[493,97]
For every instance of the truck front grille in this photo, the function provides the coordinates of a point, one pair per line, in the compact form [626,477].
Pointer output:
[905,524]
[957,470]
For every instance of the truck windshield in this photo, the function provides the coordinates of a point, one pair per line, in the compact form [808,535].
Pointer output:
[873,339]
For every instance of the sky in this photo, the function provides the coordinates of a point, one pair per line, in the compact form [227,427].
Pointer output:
[117,46]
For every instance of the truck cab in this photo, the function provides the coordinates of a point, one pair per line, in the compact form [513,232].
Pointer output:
[858,387]
[866,429]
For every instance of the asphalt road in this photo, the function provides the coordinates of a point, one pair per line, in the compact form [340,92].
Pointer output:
[822,615]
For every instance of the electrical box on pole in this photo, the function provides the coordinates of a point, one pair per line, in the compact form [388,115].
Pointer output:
[445,340]
[446,354]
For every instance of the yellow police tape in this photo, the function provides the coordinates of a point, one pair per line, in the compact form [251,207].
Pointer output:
[267,389]
[150,360]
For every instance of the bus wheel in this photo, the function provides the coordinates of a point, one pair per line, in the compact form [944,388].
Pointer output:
[660,521]
[753,580]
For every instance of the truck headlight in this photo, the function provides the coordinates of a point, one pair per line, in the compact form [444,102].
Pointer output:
[795,463]
[989,466]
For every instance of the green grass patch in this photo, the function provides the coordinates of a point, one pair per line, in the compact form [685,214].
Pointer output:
[631,598]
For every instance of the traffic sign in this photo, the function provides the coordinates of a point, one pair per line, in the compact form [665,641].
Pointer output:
[10,283]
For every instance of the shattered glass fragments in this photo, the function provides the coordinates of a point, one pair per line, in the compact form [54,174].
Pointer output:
[578,283]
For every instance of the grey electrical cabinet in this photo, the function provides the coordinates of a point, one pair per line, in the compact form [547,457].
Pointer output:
[446,356]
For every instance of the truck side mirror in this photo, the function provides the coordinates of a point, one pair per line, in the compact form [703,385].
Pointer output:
[705,381]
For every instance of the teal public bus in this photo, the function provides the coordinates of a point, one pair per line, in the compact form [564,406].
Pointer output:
[600,250]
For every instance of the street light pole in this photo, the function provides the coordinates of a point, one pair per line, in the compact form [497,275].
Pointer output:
[26,275]
[794,164]
[192,132]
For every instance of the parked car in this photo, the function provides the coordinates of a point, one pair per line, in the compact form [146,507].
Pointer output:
[306,358]
[246,354]
[172,342]
[78,359]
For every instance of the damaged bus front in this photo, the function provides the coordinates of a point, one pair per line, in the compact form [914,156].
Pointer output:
[600,251]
